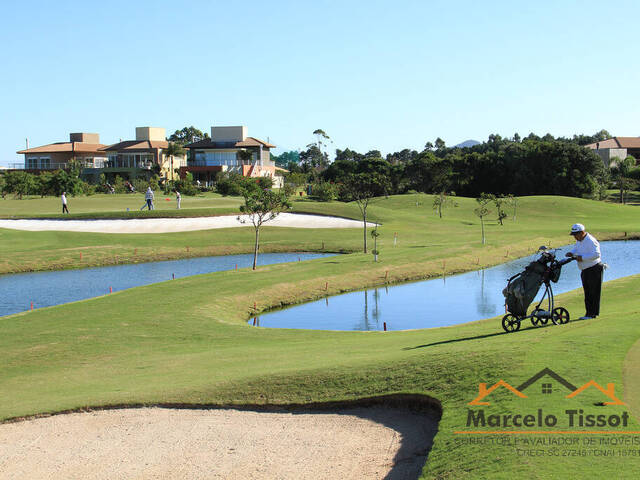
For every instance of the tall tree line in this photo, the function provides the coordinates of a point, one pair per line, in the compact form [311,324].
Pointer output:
[520,166]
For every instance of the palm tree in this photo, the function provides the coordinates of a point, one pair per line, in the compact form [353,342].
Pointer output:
[173,150]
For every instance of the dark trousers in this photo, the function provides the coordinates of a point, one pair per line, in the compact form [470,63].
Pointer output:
[592,286]
[64,208]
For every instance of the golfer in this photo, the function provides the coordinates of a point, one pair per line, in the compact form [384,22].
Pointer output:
[587,252]
[63,197]
[148,196]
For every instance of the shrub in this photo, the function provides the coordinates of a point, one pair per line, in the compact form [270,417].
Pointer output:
[265,182]
[185,185]
[230,183]
[325,191]
[118,185]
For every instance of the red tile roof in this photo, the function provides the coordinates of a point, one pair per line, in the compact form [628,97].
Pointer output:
[79,147]
[136,145]
[248,142]
[616,142]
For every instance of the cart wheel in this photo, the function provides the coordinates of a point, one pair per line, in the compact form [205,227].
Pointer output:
[560,316]
[510,323]
[535,319]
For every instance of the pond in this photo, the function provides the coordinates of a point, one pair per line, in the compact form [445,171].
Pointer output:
[449,300]
[53,288]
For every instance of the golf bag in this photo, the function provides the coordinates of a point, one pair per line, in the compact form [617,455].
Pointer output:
[523,287]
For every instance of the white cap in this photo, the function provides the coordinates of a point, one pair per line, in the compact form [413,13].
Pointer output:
[576,227]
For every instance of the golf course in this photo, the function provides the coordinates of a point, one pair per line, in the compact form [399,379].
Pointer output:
[186,341]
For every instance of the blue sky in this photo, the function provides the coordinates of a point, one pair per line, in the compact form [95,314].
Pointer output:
[372,74]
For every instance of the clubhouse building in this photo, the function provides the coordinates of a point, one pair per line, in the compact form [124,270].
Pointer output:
[221,153]
[146,155]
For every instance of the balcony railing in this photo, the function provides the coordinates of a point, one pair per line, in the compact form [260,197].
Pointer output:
[46,166]
[127,164]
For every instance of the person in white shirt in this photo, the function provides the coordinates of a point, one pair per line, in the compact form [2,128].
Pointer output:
[587,252]
[178,199]
[63,197]
[148,196]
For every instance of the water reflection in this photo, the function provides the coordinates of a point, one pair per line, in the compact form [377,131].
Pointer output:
[53,288]
[446,301]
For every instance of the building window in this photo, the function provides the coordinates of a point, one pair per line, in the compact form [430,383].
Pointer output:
[36,163]
[211,159]
[546,388]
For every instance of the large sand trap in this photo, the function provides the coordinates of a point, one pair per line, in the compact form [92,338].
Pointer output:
[351,443]
[164,225]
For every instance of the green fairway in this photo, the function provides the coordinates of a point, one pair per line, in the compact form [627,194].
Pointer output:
[103,205]
[187,341]
[421,235]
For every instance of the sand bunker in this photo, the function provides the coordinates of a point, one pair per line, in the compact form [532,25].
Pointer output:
[165,225]
[351,443]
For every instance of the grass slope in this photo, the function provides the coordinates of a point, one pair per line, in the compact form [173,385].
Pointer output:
[187,340]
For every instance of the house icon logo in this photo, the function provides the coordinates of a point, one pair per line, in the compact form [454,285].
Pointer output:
[546,388]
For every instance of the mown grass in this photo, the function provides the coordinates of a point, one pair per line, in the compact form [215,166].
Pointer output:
[187,341]
[420,233]
[114,206]
[631,197]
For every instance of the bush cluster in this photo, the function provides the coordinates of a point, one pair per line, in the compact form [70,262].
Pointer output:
[234,184]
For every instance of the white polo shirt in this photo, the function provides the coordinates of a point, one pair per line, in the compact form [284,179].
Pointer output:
[589,249]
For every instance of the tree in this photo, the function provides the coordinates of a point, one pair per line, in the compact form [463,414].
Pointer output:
[173,149]
[187,135]
[499,201]
[285,158]
[325,191]
[512,201]
[621,174]
[482,211]
[442,200]
[402,157]
[261,206]
[321,138]
[314,157]
[347,154]
[375,234]
[587,139]
[363,188]
[19,183]
[293,181]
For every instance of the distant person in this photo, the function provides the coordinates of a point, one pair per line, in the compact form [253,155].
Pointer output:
[63,197]
[178,199]
[149,199]
[587,252]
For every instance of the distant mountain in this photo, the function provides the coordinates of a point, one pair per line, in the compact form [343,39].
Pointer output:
[467,143]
